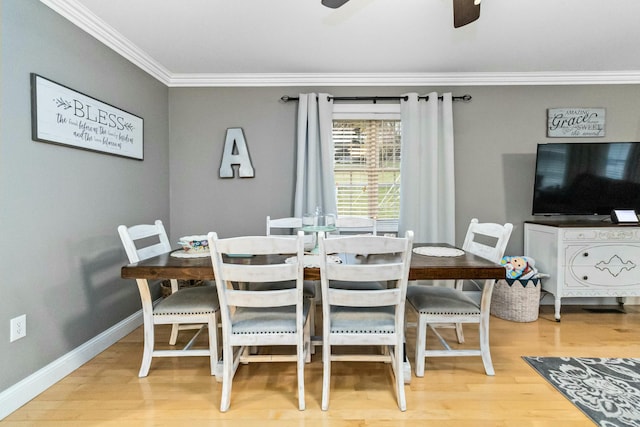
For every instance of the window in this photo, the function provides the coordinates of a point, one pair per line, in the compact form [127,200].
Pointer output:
[367,161]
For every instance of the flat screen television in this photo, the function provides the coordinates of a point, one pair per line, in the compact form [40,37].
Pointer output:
[586,178]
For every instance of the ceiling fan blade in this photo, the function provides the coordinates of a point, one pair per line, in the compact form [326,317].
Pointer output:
[334,4]
[464,12]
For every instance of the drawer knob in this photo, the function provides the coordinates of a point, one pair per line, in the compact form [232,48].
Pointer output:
[585,277]
[585,254]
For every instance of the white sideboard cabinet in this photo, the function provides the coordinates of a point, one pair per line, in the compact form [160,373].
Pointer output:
[585,259]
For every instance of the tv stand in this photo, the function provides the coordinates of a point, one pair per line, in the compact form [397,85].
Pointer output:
[585,258]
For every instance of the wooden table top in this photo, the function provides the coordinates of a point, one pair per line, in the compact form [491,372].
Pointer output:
[467,266]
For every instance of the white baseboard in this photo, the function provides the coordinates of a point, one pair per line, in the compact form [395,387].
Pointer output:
[548,299]
[22,392]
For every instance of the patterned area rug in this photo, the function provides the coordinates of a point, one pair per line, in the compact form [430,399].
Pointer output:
[606,390]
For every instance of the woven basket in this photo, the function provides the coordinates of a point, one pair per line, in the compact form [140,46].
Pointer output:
[165,286]
[515,300]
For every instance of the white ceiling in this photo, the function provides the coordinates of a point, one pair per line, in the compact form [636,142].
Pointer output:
[367,42]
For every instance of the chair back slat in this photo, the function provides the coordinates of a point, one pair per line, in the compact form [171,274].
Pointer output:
[291,223]
[364,245]
[365,272]
[356,224]
[260,273]
[274,298]
[251,245]
[364,298]
[153,250]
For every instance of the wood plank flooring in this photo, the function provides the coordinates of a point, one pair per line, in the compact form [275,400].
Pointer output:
[454,391]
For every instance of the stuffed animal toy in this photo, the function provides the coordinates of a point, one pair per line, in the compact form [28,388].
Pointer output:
[519,267]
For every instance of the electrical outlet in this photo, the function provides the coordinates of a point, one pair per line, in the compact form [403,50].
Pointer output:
[18,328]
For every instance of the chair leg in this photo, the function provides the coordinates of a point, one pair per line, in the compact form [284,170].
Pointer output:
[484,345]
[485,303]
[147,353]
[398,361]
[421,344]
[176,326]
[312,324]
[227,377]
[300,366]
[174,334]
[213,343]
[384,350]
[248,350]
[459,333]
[326,373]
[307,346]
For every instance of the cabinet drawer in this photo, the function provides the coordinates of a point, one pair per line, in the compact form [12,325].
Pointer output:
[601,234]
[603,265]
[599,279]
[580,234]
[590,254]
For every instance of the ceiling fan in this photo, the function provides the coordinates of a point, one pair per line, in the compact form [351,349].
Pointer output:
[464,11]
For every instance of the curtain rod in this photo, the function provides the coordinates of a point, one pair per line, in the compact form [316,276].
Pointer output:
[374,99]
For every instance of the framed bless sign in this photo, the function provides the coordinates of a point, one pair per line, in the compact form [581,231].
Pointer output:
[62,116]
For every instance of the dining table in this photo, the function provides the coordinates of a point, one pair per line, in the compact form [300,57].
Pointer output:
[464,265]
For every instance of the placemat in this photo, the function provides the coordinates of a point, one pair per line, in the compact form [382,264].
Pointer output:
[437,251]
[182,254]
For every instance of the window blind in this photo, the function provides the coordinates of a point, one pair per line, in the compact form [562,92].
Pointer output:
[367,168]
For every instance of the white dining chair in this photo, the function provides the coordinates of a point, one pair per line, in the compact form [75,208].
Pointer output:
[260,318]
[364,317]
[437,307]
[289,226]
[136,251]
[489,241]
[189,308]
[285,225]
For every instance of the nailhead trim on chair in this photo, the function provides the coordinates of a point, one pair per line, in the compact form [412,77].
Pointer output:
[450,313]
[263,333]
[182,313]
[351,331]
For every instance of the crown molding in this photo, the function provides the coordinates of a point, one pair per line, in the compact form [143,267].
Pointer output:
[79,15]
[405,79]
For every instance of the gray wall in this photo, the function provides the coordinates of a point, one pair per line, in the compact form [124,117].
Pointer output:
[495,143]
[202,202]
[60,252]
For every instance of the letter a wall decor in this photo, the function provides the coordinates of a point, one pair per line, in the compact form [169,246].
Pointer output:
[236,152]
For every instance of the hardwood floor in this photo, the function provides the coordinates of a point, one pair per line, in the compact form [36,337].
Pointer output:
[454,392]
